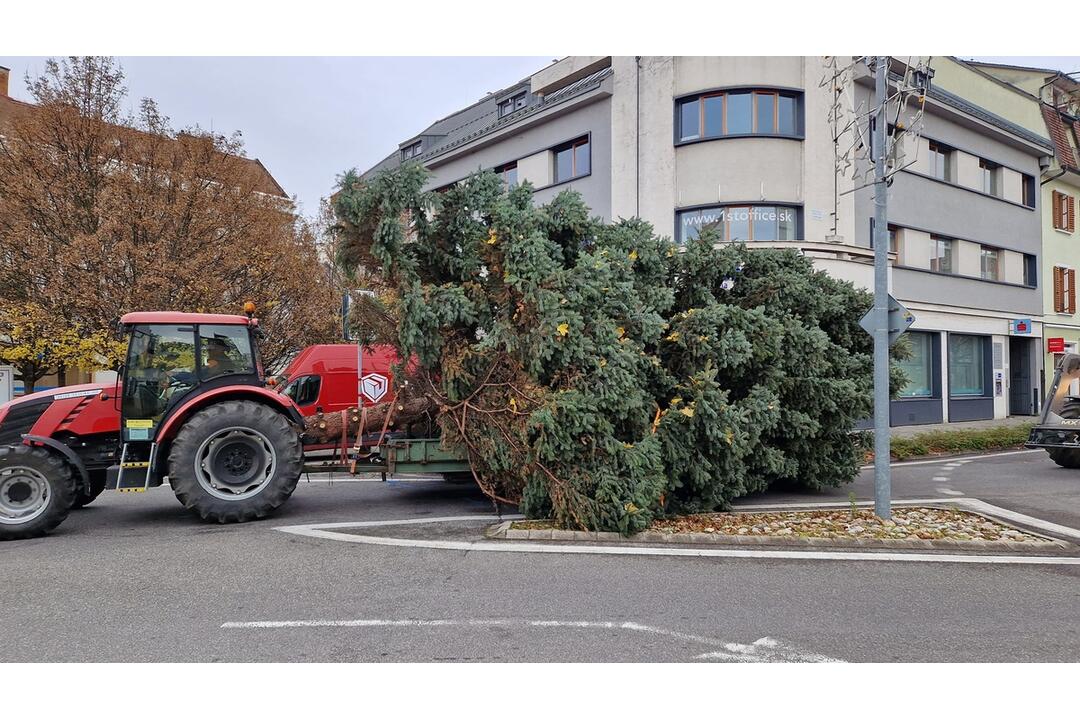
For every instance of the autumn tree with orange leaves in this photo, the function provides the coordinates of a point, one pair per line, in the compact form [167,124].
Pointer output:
[104,213]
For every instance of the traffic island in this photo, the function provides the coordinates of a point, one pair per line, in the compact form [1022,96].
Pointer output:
[911,528]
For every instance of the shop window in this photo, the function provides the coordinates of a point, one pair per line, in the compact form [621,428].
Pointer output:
[740,223]
[968,365]
[919,367]
[742,112]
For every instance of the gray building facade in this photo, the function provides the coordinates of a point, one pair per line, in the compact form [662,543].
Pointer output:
[749,146]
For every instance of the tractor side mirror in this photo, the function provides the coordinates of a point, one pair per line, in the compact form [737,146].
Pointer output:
[116,386]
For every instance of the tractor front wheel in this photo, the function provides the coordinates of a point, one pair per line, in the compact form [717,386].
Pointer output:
[36,491]
[235,461]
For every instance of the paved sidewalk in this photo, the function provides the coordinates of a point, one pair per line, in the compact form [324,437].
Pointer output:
[910,430]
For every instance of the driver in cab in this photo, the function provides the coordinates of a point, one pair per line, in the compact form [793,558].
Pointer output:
[217,360]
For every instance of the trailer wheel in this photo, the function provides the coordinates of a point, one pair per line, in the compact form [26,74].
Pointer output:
[235,461]
[36,491]
[86,496]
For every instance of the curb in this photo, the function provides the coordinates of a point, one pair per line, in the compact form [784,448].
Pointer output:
[504,531]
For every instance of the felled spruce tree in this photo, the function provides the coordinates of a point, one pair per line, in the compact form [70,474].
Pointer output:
[593,372]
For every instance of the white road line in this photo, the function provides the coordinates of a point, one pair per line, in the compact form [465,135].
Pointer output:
[979,506]
[764,649]
[940,478]
[949,491]
[320,532]
[988,456]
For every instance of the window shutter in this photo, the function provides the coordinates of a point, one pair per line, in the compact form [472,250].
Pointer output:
[1070,295]
[1059,289]
[1071,210]
[1057,210]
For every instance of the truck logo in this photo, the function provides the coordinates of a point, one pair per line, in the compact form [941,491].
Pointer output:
[374,386]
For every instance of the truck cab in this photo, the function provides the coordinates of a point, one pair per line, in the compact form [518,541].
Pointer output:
[331,378]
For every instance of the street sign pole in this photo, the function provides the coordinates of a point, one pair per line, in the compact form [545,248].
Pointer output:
[882,479]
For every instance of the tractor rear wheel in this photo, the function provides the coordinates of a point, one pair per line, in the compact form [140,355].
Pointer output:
[36,491]
[235,461]
[85,496]
[1063,456]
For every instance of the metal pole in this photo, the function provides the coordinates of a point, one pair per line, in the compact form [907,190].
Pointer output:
[882,480]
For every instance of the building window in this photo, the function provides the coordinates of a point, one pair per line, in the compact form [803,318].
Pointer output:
[740,223]
[919,367]
[512,104]
[508,173]
[1031,270]
[941,254]
[989,263]
[967,365]
[743,112]
[940,161]
[1064,209]
[1027,183]
[989,173]
[411,151]
[1064,289]
[572,160]
[894,245]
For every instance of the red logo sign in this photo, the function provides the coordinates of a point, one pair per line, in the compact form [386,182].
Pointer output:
[1055,345]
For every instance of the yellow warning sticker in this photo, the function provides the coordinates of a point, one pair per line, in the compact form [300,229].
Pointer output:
[143,424]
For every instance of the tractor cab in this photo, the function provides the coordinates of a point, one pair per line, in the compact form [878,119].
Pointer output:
[172,358]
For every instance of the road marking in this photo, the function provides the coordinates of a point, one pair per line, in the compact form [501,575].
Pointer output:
[949,491]
[764,649]
[988,456]
[321,532]
[940,478]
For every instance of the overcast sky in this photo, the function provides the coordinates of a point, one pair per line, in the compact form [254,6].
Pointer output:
[310,119]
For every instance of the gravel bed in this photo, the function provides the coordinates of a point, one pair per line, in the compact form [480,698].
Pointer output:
[908,523]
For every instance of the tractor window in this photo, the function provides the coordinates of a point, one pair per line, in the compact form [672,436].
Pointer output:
[225,350]
[304,390]
[160,365]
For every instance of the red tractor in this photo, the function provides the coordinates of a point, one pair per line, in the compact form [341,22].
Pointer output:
[191,405]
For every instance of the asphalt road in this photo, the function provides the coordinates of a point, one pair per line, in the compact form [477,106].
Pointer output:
[135,578]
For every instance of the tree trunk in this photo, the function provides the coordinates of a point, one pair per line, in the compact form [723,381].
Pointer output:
[61,376]
[414,416]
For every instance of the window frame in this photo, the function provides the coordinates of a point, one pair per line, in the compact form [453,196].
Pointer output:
[412,150]
[725,235]
[1063,208]
[947,242]
[1064,290]
[990,171]
[509,105]
[794,94]
[986,357]
[502,170]
[932,366]
[572,146]
[984,252]
[936,148]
